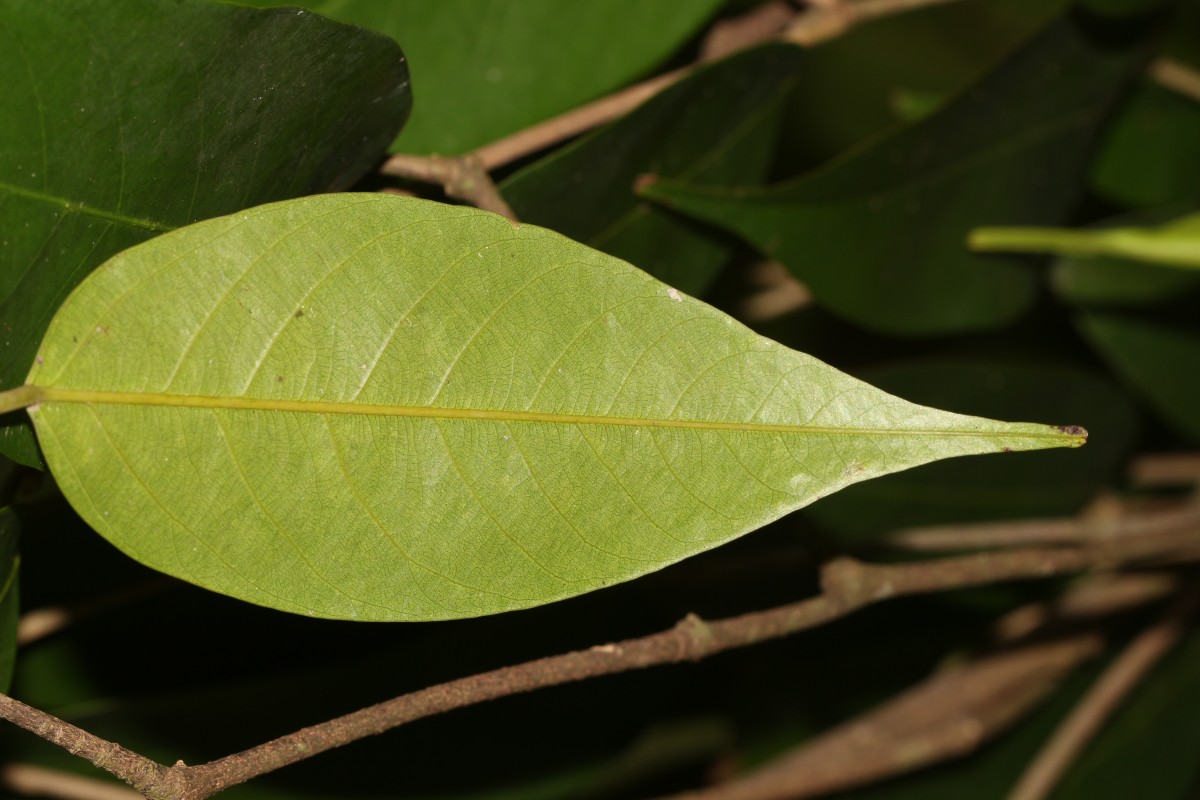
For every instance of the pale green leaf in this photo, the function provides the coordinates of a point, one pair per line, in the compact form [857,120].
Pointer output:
[373,407]
[1173,244]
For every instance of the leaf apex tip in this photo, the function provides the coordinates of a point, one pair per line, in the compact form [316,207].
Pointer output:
[1077,432]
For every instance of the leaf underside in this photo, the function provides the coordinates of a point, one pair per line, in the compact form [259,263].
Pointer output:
[372,407]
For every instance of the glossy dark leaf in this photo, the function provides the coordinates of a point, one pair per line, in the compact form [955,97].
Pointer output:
[487,68]
[878,234]
[124,120]
[1158,357]
[717,126]
[1151,158]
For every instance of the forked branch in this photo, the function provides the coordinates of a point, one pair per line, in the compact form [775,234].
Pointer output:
[847,586]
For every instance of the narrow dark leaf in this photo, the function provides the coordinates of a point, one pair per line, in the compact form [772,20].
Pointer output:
[878,234]
[716,126]
[123,120]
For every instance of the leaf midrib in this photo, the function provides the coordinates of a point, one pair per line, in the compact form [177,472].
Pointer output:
[78,207]
[52,394]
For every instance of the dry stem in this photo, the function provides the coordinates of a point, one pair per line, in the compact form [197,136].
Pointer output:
[464,178]
[32,781]
[848,585]
[1176,76]
[953,712]
[1105,522]
[1118,681]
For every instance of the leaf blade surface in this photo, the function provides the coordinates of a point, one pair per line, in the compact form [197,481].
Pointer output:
[372,407]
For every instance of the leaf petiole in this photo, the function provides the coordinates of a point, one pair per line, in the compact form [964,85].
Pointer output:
[20,397]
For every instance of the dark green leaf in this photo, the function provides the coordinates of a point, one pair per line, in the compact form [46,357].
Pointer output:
[486,68]
[1150,157]
[717,126]
[878,234]
[936,50]
[122,120]
[1158,358]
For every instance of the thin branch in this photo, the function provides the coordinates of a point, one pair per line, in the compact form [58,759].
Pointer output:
[1176,76]
[34,781]
[1165,469]
[466,177]
[759,25]
[1105,521]
[948,715]
[847,586]
[1096,596]
[148,777]
[825,21]
[1089,716]
[463,178]
[778,293]
[951,713]
[574,122]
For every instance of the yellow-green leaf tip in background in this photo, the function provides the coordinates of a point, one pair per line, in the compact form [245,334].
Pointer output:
[1173,244]
[379,408]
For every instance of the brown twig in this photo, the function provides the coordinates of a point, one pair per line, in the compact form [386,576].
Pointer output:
[848,585]
[953,712]
[828,20]
[947,716]
[1104,521]
[1176,76]
[1117,682]
[1165,469]
[151,779]
[778,293]
[755,27]
[34,781]
[464,178]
